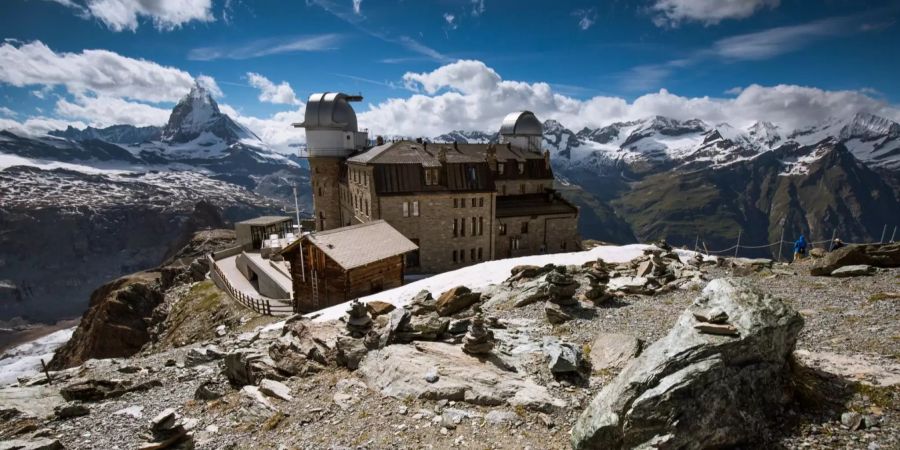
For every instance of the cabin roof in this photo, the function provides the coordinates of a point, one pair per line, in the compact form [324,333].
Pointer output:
[358,245]
[265,220]
[427,154]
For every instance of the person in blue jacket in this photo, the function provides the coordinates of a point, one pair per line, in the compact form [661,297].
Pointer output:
[800,248]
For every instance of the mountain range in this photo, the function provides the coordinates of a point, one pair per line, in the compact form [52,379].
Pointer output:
[83,206]
[689,181]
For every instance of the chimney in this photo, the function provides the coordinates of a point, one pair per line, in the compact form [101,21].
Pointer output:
[455,145]
[379,140]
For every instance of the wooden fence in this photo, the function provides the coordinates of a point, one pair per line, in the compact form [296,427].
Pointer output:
[257,304]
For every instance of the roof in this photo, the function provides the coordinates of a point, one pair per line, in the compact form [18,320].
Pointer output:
[330,110]
[522,123]
[358,245]
[265,220]
[427,154]
[533,205]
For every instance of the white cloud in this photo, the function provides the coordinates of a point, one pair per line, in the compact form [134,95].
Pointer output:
[708,12]
[267,47]
[105,111]
[101,72]
[451,20]
[470,95]
[357,4]
[271,92]
[4,111]
[119,15]
[38,126]
[586,17]
[275,130]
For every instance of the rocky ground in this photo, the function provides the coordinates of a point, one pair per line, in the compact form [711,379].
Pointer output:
[252,384]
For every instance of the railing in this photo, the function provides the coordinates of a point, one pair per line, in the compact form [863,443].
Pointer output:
[257,304]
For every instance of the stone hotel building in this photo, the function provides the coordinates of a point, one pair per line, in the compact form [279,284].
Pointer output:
[459,203]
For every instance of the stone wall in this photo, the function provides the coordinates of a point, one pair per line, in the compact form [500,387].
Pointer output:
[517,187]
[325,177]
[545,234]
[432,229]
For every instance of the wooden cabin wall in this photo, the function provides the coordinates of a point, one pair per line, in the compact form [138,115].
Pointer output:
[388,273]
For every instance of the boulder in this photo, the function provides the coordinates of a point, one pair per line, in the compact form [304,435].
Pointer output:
[818,252]
[71,410]
[245,367]
[877,255]
[456,300]
[856,270]
[562,357]
[555,314]
[377,308]
[275,389]
[422,303]
[399,371]
[31,444]
[90,390]
[350,352]
[613,350]
[690,388]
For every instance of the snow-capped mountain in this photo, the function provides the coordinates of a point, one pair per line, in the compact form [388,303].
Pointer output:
[872,139]
[95,204]
[466,137]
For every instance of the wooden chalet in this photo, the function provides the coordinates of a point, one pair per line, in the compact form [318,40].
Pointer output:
[341,264]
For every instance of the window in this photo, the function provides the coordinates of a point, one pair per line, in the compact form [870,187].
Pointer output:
[480,254]
[455,259]
[563,245]
[522,188]
[474,227]
[415,208]
[502,229]
[521,167]
[480,226]
[455,228]
[481,202]
[320,192]
[462,226]
[456,203]
[428,180]
[502,189]
[405,209]
[462,256]
[524,227]
[514,243]
[473,202]
[432,176]
[472,255]
[367,207]
[500,168]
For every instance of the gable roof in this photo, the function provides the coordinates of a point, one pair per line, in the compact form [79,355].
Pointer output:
[358,245]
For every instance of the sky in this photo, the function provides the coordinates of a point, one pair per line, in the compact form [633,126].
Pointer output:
[428,67]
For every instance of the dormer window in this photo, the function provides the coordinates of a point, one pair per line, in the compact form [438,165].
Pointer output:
[500,168]
[521,167]
[432,176]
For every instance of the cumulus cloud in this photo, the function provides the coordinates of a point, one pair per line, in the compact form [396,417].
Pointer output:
[271,92]
[469,95]
[709,12]
[4,111]
[275,130]
[100,72]
[106,111]
[120,15]
[38,126]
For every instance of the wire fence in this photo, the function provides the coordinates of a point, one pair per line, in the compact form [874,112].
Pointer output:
[700,244]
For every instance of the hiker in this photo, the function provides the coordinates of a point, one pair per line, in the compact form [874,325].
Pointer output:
[800,248]
[836,244]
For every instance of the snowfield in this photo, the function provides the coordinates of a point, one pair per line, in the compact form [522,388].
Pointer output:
[484,274]
[26,358]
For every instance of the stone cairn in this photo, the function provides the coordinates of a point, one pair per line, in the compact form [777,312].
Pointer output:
[562,287]
[358,321]
[479,340]
[597,275]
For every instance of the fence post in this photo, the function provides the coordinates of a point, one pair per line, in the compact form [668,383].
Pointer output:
[831,243]
[697,243]
[883,231]
[894,233]
[738,245]
[780,242]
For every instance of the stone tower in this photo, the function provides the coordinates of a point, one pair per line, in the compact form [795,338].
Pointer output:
[331,136]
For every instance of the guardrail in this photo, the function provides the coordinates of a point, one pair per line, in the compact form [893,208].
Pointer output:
[257,304]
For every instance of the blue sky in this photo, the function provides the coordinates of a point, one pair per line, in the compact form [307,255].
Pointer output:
[585,62]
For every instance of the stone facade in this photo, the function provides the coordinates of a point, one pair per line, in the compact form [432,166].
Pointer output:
[325,175]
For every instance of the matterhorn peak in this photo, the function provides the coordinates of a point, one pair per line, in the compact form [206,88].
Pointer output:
[197,115]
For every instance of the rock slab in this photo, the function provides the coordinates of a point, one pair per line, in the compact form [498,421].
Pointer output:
[696,390]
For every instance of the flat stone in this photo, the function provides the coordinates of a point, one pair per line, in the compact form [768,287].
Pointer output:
[555,314]
[256,396]
[396,371]
[275,389]
[718,329]
[377,308]
[613,350]
[69,411]
[856,270]
[456,300]
[31,444]
[165,420]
